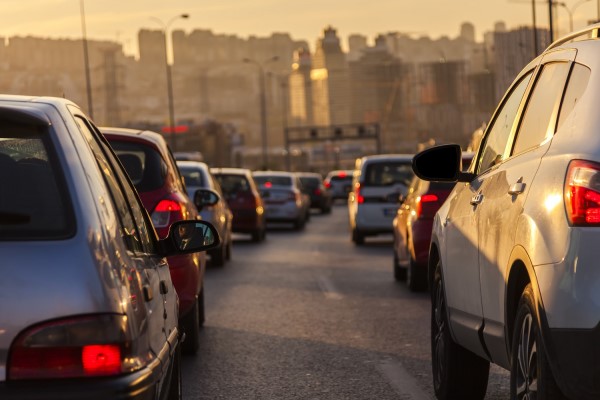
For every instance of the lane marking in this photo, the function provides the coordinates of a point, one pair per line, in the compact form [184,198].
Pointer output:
[404,383]
[328,289]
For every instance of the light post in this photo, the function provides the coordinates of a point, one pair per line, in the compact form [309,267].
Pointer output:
[263,107]
[165,29]
[86,62]
[571,11]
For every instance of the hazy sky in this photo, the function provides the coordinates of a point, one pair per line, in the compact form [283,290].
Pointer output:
[304,19]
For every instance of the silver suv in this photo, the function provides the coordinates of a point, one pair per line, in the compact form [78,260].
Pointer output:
[513,260]
[88,308]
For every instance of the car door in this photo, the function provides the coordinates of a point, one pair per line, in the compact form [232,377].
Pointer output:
[138,241]
[505,187]
[463,232]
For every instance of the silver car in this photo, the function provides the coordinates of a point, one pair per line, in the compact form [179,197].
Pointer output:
[88,308]
[513,260]
[197,175]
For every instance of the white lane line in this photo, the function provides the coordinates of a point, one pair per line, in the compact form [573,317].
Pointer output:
[404,383]
[328,288]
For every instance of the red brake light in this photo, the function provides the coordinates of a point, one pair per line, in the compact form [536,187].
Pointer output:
[328,185]
[317,192]
[167,206]
[101,359]
[342,174]
[359,198]
[73,347]
[268,185]
[427,198]
[582,193]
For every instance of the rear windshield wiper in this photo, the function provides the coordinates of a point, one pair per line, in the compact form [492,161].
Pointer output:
[10,218]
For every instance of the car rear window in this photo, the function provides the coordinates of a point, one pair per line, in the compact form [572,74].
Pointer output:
[144,165]
[34,202]
[387,174]
[275,180]
[193,177]
[232,183]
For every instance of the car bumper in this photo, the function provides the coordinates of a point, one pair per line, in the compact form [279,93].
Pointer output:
[421,239]
[283,212]
[140,385]
[246,221]
[371,218]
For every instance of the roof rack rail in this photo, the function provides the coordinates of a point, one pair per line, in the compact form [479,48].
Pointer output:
[591,32]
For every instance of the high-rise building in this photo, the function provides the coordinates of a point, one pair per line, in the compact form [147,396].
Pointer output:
[300,89]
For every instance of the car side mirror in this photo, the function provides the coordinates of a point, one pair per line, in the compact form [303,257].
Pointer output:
[205,197]
[441,163]
[189,237]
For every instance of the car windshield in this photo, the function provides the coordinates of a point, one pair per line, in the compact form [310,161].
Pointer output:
[388,173]
[143,164]
[33,199]
[274,180]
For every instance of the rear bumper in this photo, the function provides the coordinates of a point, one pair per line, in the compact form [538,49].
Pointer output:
[420,235]
[140,385]
[375,218]
[246,221]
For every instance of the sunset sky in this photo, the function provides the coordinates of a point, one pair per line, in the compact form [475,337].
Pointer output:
[120,20]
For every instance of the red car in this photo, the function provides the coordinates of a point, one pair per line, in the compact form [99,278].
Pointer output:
[154,173]
[412,228]
[244,200]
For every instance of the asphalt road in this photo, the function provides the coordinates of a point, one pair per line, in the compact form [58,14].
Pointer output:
[308,315]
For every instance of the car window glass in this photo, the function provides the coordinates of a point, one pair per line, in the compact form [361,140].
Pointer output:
[128,228]
[193,177]
[216,185]
[143,164]
[231,184]
[578,81]
[496,139]
[537,123]
[387,173]
[33,197]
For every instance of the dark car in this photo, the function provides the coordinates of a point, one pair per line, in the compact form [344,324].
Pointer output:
[412,228]
[88,308]
[153,170]
[244,200]
[339,183]
[313,185]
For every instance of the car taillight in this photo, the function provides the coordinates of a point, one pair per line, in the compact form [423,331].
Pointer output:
[582,193]
[359,198]
[426,198]
[317,192]
[162,216]
[328,185]
[74,347]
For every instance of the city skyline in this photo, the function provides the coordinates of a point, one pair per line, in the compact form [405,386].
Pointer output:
[261,18]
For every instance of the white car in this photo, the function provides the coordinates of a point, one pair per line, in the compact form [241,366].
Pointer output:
[378,182]
[513,260]
[197,175]
[283,198]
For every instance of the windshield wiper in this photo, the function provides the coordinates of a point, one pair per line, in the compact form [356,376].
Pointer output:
[11,218]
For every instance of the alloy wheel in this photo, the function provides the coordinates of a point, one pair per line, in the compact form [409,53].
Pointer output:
[438,334]
[527,377]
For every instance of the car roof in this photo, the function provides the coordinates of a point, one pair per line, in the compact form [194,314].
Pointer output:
[156,138]
[273,173]
[193,164]
[231,171]
[388,157]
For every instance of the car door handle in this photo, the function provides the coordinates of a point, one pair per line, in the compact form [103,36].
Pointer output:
[164,288]
[148,296]
[516,188]
[477,199]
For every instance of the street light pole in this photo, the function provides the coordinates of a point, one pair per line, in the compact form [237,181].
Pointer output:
[86,63]
[171,105]
[571,11]
[263,108]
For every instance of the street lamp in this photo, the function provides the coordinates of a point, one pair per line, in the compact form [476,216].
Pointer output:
[263,106]
[165,29]
[571,11]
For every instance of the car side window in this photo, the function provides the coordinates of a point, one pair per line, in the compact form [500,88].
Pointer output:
[129,230]
[539,120]
[578,81]
[498,134]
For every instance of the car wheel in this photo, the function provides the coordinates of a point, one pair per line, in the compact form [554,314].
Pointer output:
[399,272]
[357,237]
[530,376]
[416,276]
[299,223]
[219,255]
[457,372]
[175,392]
[191,327]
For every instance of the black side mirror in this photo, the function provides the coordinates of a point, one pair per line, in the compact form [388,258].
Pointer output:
[189,237]
[205,197]
[441,163]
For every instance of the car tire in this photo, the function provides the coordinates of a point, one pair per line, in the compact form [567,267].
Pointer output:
[357,237]
[191,326]
[457,372]
[416,276]
[175,391]
[219,255]
[530,378]
[399,272]
[300,223]
[228,250]
[259,235]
